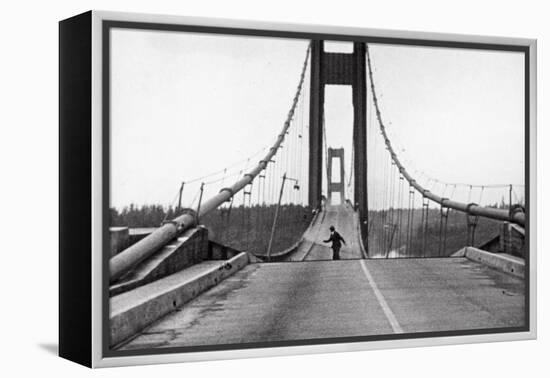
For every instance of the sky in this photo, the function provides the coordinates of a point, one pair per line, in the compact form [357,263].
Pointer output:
[187,104]
[456,115]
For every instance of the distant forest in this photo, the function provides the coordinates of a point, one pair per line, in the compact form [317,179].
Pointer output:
[243,228]
[135,216]
[249,228]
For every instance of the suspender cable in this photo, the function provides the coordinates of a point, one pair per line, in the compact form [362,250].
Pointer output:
[443,220]
[400,212]
[425,208]
[385,206]
[410,222]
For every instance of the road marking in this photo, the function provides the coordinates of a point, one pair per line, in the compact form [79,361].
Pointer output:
[387,311]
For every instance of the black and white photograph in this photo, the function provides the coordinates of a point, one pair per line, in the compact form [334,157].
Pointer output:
[284,189]
[277,189]
[245,189]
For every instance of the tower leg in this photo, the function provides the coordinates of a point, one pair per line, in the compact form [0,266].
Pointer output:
[360,133]
[317,100]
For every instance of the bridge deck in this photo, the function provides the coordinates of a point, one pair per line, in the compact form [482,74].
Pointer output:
[345,220]
[322,299]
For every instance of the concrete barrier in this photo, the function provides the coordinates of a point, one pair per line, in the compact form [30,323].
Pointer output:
[503,262]
[132,311]
[512,239]
[120,239]
[190,248]
[123,237]
[217,251]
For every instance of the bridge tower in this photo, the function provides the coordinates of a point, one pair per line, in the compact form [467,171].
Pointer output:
[338,69]
[338,187]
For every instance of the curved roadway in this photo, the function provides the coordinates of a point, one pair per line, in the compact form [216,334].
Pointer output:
[346,222]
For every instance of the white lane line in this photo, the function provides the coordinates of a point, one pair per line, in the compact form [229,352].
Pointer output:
[387,311]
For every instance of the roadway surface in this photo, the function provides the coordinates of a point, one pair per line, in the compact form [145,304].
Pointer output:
[325,299]
[346,222]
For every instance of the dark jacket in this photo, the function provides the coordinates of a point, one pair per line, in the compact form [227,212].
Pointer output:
[336,240]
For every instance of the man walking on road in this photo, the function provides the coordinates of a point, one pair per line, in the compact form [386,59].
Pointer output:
[337,241]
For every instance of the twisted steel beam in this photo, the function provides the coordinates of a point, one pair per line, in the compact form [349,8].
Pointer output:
[513,215]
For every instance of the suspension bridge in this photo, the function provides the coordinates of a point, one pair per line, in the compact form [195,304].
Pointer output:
[246,260]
